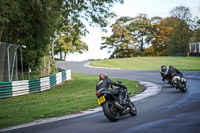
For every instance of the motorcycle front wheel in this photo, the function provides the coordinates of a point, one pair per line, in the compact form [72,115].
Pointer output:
[133,110]
[181,87]
[110,111]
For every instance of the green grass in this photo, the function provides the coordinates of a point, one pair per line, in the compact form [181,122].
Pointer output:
[151,63]
[76,95]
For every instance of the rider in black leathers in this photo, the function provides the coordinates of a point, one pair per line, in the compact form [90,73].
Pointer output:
[168,74]
[104,84]
[174,72]
[164,73]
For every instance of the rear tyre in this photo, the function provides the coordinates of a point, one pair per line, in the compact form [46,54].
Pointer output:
[133,110]
[110,111]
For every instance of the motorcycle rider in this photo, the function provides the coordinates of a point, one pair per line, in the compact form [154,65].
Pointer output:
[164,73]
[174,72]
[104,84]
[168,74]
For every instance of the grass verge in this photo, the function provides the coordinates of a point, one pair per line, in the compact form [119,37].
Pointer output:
[151,63]
[76,95]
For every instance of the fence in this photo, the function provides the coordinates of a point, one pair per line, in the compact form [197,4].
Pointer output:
[23,87]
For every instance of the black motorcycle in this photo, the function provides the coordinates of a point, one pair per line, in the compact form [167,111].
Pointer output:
[177,80]
[111,107]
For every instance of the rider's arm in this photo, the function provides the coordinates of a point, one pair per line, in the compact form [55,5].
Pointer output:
[114,83]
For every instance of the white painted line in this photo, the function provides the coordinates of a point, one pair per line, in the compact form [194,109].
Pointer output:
[87,64]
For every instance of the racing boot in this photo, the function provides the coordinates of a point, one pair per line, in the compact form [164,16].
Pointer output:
[126,111]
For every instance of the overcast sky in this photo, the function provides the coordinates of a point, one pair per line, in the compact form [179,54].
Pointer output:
[131,8]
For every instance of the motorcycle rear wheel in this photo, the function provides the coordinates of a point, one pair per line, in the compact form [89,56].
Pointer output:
[110,111]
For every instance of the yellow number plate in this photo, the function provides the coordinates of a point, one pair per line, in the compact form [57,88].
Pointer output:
[101,100]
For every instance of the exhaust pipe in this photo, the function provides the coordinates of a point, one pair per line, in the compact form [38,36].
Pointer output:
[126,111]
[118,105]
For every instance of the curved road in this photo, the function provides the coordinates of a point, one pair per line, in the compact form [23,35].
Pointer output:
[168,112]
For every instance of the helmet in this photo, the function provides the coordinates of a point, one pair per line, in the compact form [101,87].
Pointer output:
[163,67]
[171,67]
[102,76]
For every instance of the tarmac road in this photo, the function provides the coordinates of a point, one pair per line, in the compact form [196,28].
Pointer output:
[171,111]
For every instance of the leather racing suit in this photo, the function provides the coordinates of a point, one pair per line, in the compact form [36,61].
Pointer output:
[104,85]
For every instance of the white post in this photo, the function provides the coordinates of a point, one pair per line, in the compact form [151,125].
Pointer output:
[16,72]
[22,63]
[8,62]
[14,60]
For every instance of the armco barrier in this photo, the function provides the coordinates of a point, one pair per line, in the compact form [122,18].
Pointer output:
[23,87]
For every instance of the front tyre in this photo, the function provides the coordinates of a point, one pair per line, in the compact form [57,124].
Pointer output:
[181,86]
[133,110]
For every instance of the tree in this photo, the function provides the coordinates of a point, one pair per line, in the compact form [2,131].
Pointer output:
[179,40]
[183,13]
[173,34]
[195,30]
[121,41]
[154,36]
[131,35]
[163,31]
[94,12]
[140,27]
[70,41]
[35,23]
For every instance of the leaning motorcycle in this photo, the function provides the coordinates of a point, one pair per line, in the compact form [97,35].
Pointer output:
[111,107]
[180,83]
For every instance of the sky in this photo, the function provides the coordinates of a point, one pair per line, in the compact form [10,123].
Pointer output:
[130,8]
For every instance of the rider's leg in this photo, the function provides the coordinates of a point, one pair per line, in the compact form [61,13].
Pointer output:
[121,96]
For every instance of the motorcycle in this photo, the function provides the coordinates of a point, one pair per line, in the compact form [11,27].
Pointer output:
[111,107]
[180,83]
[177,81]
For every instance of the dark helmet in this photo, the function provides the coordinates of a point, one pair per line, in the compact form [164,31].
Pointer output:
[102,76]
[163,67]
[171,67]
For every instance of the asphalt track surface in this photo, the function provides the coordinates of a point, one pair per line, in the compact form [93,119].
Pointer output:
[170,111]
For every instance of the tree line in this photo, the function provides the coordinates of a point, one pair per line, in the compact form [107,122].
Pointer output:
[51,25]
[156,36]
[48,27]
